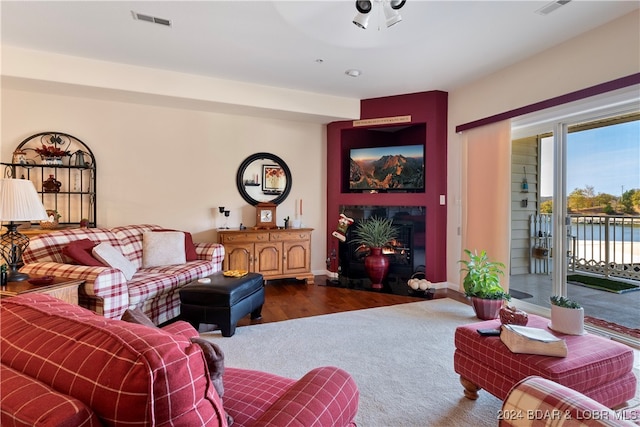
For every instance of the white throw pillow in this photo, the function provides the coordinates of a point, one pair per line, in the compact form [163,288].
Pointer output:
[114,258]
[163,248]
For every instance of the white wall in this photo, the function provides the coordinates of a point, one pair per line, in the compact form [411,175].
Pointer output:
[606,53]
[174,167]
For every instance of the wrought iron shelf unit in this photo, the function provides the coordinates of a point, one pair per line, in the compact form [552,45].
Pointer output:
[74,169]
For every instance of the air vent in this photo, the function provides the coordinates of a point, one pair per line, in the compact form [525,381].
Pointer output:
[548,8]
[152,19]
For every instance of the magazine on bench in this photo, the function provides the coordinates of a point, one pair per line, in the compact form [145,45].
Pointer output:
[523,339]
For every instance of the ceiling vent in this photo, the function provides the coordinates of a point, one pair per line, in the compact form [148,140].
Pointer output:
[550,7]
[152,19]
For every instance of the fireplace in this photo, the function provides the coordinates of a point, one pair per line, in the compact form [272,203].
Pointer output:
[405,253]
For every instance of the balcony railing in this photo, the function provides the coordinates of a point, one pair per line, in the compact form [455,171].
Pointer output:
[605,245]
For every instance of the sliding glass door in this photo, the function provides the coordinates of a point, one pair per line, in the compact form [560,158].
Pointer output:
[587,188]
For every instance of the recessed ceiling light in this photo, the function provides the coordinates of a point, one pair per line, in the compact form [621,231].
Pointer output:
[353,72]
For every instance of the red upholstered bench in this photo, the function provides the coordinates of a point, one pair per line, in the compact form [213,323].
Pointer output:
[595,366]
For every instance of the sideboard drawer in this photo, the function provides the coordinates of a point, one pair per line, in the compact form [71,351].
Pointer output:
[244,237]
[279,236]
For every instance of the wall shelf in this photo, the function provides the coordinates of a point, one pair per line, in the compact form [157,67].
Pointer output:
[76,172]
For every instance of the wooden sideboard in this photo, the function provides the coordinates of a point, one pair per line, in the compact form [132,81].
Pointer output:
[276,254]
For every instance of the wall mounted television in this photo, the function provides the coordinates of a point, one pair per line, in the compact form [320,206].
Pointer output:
[387,169]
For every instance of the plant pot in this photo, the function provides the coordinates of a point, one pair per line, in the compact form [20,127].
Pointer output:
[567,320]
[52,160]
[377,266]
[486,309]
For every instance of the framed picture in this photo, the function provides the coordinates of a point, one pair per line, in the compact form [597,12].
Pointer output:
[273,179]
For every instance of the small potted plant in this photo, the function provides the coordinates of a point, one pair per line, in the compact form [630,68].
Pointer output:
[567,316]
[482,284]
[376,233]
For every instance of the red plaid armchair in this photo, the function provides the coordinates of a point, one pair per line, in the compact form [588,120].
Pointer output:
[62,365]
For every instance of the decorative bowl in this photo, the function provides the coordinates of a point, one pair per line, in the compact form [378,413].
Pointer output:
[512,316]
[44,280]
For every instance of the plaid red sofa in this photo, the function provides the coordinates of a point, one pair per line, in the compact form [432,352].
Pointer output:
[537,401]
[63,365]
[106,290]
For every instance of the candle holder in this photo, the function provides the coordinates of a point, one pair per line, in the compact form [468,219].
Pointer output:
[226,215]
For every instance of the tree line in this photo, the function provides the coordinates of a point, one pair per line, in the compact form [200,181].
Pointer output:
[582,199]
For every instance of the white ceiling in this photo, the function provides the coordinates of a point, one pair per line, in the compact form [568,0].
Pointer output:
[439,45]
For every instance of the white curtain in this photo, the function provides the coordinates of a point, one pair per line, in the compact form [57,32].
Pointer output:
[486,192]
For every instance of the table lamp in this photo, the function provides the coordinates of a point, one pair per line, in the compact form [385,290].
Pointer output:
[19,201]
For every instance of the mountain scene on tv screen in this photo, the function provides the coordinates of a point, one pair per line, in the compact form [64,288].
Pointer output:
[388,172]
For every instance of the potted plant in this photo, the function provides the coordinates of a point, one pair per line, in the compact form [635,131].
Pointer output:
[567,316]
[51,155]
[482,284]
[375,233]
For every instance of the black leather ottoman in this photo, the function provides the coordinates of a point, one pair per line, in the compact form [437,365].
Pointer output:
[224,301]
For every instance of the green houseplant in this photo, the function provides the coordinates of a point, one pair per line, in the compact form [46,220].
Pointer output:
[482,284]
[567,316]
[375,233]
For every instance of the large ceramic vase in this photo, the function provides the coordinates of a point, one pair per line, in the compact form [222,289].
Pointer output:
[487,309]
[377,266]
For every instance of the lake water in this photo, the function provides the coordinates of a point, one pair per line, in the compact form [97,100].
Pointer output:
[617,233]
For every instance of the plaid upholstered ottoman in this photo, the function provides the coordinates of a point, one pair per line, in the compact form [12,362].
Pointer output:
[222,301]
[595,366]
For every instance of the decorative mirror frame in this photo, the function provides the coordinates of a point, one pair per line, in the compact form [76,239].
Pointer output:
[263,156]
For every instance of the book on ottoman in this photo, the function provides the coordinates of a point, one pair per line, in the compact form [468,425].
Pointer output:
[523,339]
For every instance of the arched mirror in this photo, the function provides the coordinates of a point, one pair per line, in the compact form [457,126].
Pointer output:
[262,178]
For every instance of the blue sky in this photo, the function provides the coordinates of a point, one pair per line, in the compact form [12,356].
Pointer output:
[606,158]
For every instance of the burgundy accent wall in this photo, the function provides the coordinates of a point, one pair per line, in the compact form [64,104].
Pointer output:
[428,126]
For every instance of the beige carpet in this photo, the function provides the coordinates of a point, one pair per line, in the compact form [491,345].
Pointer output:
[401,357]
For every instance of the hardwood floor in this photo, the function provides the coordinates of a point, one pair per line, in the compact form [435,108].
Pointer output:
[286,299]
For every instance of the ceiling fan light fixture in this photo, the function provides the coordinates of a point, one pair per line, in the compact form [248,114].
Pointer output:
[363,6]
[392,16]
[361,21]
[390,8]
[397,4]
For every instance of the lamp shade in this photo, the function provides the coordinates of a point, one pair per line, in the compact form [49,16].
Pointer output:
[19,201]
